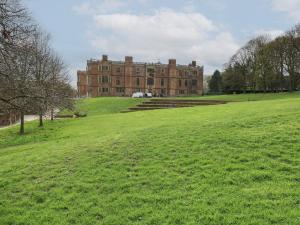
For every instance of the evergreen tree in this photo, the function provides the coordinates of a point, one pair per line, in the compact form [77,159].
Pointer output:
[215,83]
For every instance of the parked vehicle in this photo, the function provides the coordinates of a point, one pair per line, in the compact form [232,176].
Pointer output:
[148,95]
[142,95]
[138,95]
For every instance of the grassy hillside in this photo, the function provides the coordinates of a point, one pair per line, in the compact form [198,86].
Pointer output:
[237,163]
[100,106]
[250,97]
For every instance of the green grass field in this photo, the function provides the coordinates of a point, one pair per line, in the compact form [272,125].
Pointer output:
[237,163]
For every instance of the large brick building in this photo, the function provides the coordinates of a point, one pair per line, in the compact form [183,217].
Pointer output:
[122,78]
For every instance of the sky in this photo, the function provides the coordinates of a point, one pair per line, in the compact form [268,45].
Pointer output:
[208,31]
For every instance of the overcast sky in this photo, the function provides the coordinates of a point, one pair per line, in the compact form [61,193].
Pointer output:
[208,31]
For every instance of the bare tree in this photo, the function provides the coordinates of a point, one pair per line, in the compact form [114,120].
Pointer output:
[247,62]
[32,78]
[292,56]
[276,57]
[15,58]
[265,64]
[18,92]
[61,94]
[41,73]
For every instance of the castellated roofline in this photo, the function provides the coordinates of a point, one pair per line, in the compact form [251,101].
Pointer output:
[129,59]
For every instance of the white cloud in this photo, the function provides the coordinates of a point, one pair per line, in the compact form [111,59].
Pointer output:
[289,7]
[162,35]
[96,6]
[84,8]
[269,32]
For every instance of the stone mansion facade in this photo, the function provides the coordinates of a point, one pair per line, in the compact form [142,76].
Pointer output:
[122,78]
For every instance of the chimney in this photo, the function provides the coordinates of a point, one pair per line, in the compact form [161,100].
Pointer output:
[172,61]
[128,59]
[194,64]
[104,57]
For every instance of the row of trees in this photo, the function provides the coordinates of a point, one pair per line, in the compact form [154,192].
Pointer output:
[263,65]
[33,78]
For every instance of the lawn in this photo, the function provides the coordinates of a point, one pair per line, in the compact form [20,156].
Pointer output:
[249,97]
[105,105]
[237,163]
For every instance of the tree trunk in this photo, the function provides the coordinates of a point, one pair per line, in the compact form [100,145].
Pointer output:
[281,84]
[52,114]
[10,118]
[22,124]
[41,120]
[291,81]
[265,84]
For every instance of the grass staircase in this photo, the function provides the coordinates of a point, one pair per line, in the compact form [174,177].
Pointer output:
[172,103]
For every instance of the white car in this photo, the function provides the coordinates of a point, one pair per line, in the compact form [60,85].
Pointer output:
[148,95]
[138,95]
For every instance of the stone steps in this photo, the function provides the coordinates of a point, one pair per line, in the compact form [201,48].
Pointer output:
[187,100]
[181,103]
[145,108]
[154,104]
[168,105]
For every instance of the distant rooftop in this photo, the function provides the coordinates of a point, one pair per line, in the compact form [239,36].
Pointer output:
[105,58]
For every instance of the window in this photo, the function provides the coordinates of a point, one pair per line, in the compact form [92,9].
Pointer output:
[181,92]
[118,82]
[162,82]
[150,81]
[179,83]
[162,70]
[186,83]
[150,70]
[105,90]
[195,72]
[138,81]
[90,91]
[194,82]
[90,80]
[120,89]
[105,68]
[163,91]
[118,69]
[139,71]
[104,79]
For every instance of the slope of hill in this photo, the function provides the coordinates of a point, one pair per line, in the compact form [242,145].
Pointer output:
[237,163]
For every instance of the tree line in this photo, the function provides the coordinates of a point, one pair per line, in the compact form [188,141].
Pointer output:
[33,78]
[262,65]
